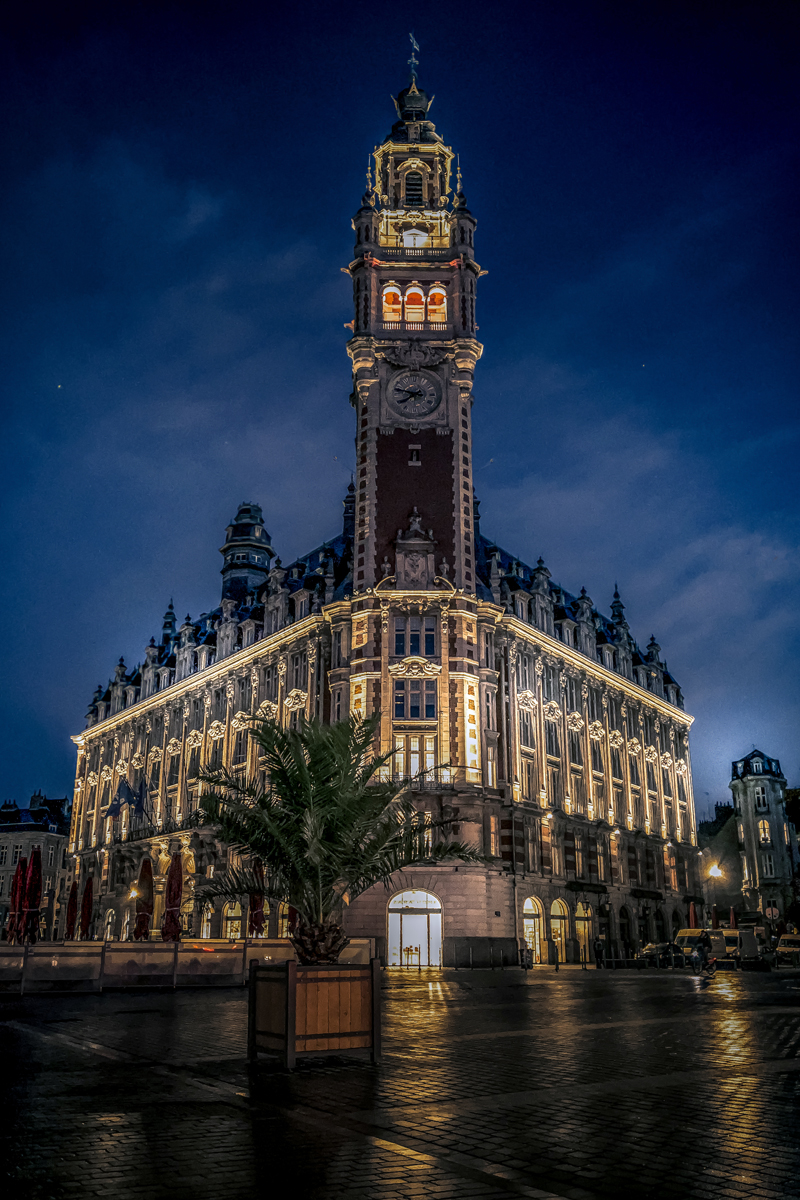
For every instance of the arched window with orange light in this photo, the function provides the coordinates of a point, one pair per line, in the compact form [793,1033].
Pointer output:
[392,303]
[437,305]
[415,303]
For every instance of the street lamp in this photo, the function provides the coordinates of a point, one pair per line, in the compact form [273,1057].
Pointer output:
[714,873]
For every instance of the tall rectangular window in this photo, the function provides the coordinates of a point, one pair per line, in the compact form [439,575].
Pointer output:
[336,648]
[494,837]
[597,757]
[631,722]
[575,749]
[768,864]
[16,855]
[3,855]
[415,699]
[173,769]
[761,798]
[551,738]
[526,728]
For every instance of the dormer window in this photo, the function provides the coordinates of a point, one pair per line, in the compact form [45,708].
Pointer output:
[756,766]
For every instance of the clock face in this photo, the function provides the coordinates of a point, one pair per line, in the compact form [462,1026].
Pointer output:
[414,394]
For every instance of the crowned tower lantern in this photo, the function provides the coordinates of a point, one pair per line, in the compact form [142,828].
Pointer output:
[414,350]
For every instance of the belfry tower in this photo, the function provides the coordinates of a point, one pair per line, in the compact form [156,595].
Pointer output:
[414,352]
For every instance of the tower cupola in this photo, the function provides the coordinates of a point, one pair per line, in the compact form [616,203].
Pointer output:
[246,554]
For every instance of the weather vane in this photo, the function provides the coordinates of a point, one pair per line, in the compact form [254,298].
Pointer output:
[413,62]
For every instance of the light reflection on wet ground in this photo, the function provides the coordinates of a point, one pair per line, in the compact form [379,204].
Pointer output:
[582,1085]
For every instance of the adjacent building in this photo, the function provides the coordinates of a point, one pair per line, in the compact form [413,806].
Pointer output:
[517,708]
[44,823]
[751,846]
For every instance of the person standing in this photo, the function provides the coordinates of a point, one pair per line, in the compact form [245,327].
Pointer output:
[599,952]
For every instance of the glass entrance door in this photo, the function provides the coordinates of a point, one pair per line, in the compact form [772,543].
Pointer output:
[415,930]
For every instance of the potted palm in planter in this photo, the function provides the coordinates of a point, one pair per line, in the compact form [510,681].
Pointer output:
[328,825]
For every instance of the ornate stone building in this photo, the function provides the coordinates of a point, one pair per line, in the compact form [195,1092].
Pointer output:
[518,709]
[44,823]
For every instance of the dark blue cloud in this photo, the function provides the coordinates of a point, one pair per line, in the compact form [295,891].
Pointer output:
[180,179]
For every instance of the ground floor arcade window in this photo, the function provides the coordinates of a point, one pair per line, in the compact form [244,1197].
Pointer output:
[533,927]
[583,929]
[559,927]
[415,929]
[232,920]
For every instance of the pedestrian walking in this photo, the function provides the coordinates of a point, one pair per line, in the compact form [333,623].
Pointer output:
[599,952]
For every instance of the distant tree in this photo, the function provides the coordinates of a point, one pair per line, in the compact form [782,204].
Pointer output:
[329,824]
[793,806]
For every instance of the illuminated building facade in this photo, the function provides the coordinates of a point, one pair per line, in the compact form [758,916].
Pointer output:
[516,708]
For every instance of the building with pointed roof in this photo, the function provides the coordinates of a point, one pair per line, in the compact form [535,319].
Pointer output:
[515,707]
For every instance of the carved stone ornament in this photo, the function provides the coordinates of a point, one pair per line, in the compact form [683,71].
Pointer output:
[295,700]
[634,746]
[512,652]
[207,700]
[281,669]
[414,353]
[216,730]
[526,699]
[268,709]
[230,689]
[194,739]
[78,785]
[552,711]
[91,779]
[414,667]
[156,754]
[121,766]
[680,767]
[596,731]
[574,722]
[137,762]
[666,761]
[538,667]
[651,754]
[254,676]
[173,746]
[240,721]
[615,739]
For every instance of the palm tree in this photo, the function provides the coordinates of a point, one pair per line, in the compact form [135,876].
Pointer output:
[328,825]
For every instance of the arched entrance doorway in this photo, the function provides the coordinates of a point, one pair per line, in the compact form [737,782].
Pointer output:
[625,932]
[559,928]
[108,932]
[583,930]
[532,927]
[415,929]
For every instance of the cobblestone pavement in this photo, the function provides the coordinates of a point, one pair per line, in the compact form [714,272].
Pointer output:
[580,1085]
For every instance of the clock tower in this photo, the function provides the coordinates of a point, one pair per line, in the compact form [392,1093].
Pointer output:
[414,350]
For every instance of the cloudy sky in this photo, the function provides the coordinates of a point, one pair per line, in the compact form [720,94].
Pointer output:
[179,182]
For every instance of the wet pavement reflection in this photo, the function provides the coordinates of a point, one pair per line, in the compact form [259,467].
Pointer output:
[580,1085]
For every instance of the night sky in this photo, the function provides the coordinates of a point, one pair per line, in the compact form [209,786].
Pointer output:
[179,183]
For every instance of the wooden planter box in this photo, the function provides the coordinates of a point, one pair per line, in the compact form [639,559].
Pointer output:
[324,1009]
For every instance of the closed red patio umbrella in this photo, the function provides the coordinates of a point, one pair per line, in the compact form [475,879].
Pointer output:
[733,919]
[15,900]
[72,912]
[171,925]
[29,924]
[143,893]
[693,923]
[255,907]
[87,904]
